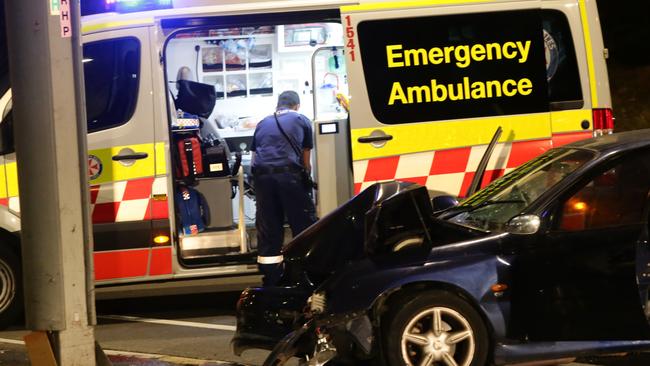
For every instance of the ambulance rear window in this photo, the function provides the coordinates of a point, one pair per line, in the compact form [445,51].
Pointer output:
[112,76]
[561,65]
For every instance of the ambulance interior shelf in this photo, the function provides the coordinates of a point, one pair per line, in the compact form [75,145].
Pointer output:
[206,183]
[204,172]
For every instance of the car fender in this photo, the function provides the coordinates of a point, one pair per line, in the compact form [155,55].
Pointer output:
[359,287]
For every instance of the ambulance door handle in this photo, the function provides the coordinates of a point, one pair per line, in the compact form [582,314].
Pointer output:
[134,156]
[377,138]
[370,139]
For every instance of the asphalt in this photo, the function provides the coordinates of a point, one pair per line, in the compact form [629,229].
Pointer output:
[16,355]
[192,330]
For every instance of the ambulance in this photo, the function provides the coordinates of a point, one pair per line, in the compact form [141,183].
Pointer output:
[406,90]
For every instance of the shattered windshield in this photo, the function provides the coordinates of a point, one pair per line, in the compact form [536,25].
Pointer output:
[492,207]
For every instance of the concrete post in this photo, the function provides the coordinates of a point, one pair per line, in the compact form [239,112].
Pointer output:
[49,134]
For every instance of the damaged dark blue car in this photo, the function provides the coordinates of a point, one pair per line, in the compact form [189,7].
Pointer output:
[550,262]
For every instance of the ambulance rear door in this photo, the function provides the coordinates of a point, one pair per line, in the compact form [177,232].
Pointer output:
[576,72]
[430,84]
[121,158]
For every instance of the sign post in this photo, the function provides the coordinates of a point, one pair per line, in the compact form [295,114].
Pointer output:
[50,139]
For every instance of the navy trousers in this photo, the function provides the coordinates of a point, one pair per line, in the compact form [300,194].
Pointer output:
[278,196]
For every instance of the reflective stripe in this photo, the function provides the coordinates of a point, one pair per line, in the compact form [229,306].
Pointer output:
[570,120]
[113,171]
[590,54]
[90,28]
[270,260]
[161,162]
[417,137]
[12,179]
[407,4]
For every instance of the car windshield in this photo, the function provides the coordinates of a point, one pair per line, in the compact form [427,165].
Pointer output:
[492,207]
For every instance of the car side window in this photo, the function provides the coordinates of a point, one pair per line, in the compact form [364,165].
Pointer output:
[112,77]
[617,196]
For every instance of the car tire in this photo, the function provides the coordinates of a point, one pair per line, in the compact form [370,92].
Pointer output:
[411,338]
[11,289]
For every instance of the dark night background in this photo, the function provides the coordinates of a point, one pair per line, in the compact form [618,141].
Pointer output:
[626,29]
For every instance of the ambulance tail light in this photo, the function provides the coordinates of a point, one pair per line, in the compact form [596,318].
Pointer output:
[603,121]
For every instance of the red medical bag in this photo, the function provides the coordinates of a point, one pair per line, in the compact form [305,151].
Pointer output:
[191,161]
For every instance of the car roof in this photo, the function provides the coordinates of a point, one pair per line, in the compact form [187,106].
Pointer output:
[616,142]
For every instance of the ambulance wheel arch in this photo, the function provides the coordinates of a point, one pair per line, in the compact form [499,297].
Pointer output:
[11,288]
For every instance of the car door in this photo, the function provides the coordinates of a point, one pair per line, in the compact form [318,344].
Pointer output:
[421,108]
[578,280]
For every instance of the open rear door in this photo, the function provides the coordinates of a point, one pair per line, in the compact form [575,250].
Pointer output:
[331,129]
[430,84]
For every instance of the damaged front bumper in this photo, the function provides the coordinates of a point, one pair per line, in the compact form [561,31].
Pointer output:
[265,315]
[281,319]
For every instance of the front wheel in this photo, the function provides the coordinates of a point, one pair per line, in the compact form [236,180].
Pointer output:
[11,297]
[435,329]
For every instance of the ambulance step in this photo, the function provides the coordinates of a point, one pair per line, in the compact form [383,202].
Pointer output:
[210,243]
[249,258]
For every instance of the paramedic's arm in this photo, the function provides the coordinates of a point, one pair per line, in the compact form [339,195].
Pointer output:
[253,146]
[306,159]
[307,144]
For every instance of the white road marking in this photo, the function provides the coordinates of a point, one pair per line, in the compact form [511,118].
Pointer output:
[163,358]
[169,322]
[11,341]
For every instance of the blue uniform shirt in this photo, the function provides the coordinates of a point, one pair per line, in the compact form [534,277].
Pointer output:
[272,148]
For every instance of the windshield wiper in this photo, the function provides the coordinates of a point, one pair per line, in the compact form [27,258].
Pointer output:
[492,202]
[453,211]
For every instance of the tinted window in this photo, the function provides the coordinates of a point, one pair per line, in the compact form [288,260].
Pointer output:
[616,197]
[112,74]
[561,64]
[454,66]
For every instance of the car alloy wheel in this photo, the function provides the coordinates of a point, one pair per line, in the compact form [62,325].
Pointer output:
[438,336]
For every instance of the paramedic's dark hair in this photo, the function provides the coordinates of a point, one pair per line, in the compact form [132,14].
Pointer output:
[288,99]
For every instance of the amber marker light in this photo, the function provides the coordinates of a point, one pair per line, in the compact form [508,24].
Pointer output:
[499,287]
[580,206]
[161,239]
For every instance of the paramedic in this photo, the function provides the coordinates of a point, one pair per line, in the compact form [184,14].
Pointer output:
[279,188]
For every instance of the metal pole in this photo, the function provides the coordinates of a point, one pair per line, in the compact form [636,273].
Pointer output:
[47,113]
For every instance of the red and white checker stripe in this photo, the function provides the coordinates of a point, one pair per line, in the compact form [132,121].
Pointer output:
[451,171]
[131,200]
[12,202]
[447,171]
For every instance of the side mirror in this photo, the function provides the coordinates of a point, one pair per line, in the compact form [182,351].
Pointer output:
[441,203]
[523,225]
[7,131]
